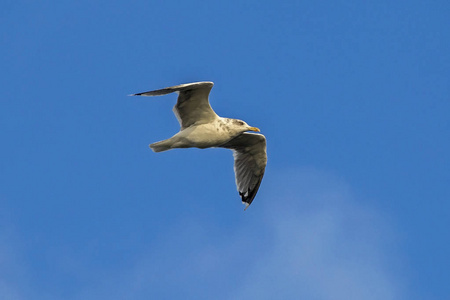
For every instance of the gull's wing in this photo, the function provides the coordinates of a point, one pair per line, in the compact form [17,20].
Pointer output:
[250,161]
[192,105]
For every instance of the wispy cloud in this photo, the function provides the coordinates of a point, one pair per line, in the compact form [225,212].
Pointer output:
[314,240]
[327,245]
[12,277]
[307,237]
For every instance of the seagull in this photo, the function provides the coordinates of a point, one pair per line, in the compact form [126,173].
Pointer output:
[202,128]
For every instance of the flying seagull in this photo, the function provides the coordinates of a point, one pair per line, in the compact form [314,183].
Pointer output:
[202,128]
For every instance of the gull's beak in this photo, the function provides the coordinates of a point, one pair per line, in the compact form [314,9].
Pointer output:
[254,129]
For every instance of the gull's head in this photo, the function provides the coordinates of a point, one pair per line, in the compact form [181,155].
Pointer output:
[242,126]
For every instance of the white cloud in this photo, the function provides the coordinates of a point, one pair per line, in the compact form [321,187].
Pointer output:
[12,277]
[327,245]
[307,238]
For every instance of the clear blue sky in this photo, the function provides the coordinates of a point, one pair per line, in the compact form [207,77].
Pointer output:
[353,97]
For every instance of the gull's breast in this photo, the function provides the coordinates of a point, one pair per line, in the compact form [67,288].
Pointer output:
[207,135]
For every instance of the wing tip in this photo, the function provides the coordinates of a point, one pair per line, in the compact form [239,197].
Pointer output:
[247,199]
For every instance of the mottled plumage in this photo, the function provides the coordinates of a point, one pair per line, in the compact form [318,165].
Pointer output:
[201,127]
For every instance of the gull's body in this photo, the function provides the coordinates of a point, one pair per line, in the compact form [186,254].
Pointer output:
[202,128]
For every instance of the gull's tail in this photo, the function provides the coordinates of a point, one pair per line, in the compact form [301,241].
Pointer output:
[160,146]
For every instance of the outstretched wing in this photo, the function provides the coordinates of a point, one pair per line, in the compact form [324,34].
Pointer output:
[250,161]
[192,105]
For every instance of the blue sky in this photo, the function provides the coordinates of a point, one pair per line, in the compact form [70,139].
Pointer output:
[353,97]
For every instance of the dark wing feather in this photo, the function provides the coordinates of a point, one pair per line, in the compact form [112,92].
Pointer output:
[250,161]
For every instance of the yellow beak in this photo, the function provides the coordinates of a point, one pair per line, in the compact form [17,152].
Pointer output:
[254,129]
